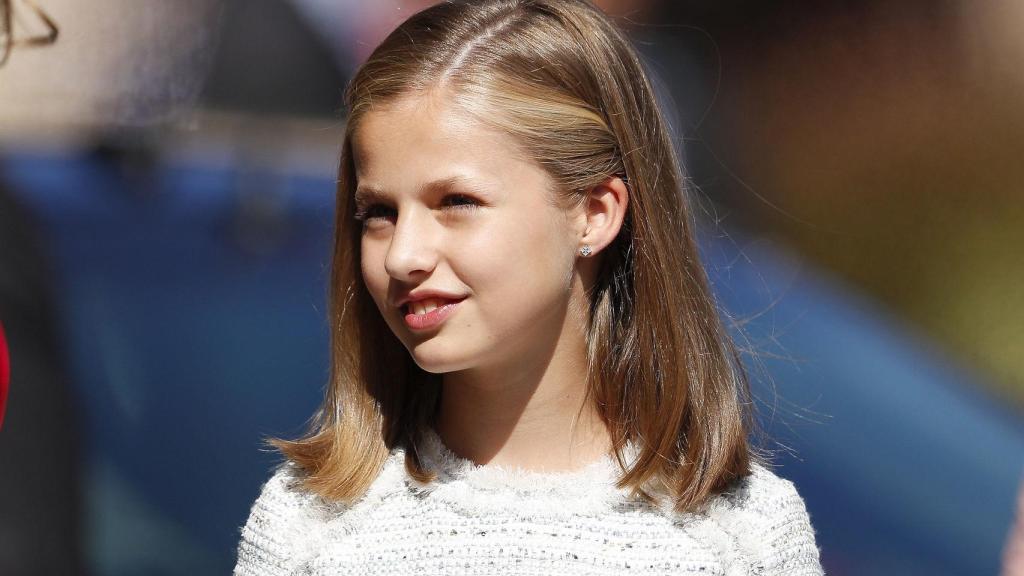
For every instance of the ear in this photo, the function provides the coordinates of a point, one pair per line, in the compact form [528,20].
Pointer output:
[604,210]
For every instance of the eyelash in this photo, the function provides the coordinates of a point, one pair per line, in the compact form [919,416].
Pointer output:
[370,212]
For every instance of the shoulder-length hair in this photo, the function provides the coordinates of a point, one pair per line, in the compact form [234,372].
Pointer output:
[561,79]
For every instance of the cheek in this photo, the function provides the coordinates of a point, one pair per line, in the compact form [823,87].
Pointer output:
[519,262]
[374,276]
[541,246]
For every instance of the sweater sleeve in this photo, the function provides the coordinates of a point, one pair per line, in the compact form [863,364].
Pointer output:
[761,526]
[791,547]
[272,538]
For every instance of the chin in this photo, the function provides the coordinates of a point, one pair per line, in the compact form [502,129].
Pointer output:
[436,367]
[436,358]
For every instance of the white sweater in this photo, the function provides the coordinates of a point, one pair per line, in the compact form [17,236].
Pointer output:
[494,520]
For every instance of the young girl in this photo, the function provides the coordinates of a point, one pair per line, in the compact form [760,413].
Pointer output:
[528,374]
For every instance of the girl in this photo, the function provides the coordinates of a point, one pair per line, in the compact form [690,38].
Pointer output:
[528,372]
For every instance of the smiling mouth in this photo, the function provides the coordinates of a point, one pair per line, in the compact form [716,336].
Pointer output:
[429,313]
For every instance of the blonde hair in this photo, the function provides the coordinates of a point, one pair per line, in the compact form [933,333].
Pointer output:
[564,82]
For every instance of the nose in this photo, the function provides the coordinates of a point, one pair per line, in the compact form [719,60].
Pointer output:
[411,254]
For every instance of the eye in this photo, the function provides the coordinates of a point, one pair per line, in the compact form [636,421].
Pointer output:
[460,202]
[372,212]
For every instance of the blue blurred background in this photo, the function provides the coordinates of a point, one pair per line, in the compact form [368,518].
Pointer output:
[166,197]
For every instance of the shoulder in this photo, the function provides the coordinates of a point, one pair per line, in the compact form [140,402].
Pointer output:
[288,522]
[763,523]
[272,539]
[284,497]
[763,493]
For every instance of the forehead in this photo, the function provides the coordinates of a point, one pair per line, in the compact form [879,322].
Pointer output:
[419,139]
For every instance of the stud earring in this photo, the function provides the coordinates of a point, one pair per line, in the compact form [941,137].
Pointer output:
[585,251]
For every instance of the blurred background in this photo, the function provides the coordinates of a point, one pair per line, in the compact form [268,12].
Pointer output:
[166,193]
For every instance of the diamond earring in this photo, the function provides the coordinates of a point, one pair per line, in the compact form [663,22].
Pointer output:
[585,251]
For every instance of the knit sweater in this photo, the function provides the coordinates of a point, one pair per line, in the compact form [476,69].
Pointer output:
[490,519]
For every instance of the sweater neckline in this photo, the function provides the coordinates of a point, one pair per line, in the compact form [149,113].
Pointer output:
[451,466]
[478,488]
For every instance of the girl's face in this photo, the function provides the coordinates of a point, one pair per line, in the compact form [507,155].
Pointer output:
[454,213]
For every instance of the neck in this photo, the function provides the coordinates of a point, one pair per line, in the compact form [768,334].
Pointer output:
[529,415]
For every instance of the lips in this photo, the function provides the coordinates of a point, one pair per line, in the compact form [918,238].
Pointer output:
[428,313]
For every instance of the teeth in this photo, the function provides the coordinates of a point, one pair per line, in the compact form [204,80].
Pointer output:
[424,306]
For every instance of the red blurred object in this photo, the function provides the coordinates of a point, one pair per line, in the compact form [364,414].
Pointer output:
[5,373]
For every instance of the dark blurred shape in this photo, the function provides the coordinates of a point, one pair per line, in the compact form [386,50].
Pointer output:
[39,490]
[269,62]
[5,373]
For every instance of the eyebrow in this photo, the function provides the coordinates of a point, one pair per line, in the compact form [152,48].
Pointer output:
[366,193]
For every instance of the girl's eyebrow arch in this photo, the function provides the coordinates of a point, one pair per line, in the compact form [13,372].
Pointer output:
[366,193]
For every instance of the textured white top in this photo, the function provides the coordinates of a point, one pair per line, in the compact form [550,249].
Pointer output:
[495,520]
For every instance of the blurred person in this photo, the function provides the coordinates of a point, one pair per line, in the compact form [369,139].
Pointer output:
[528,369]
[39,499]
